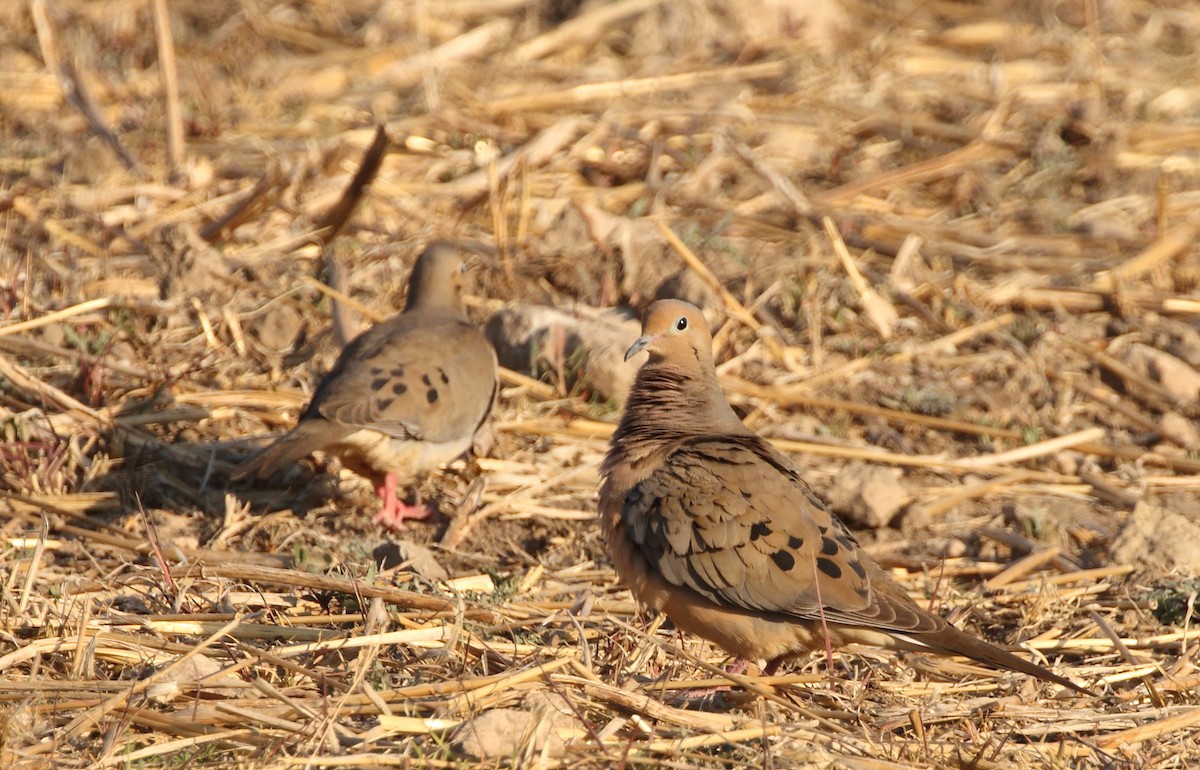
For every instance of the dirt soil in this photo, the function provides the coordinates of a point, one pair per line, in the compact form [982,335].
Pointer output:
[950,254]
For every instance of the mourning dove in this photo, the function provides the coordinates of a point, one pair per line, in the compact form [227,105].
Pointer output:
[708,523]
[406,396]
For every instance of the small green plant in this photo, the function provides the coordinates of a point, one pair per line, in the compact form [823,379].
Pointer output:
[1174,602]
[1033,524]
[87,339]
[1025,330]
[791,296]
[505,586]
[928,401]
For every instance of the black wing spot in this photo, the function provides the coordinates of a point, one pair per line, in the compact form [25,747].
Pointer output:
[759,529]
[784,560]
[425,379]
[445,377]
[795,542]
[376,371]
[381,404]
[378,383]
[829,567]
[823,529]
[399,388]
[431,395]
[828,546]
[846,541]
[857,566]
[398,371]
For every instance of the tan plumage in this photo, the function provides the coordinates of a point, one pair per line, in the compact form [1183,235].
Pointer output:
[406,396]
[708,523]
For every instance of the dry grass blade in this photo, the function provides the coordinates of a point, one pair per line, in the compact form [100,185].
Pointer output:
[169,73]
[71,83]
[956,241]
[1040,449]
[881,312]
[584,29]
[1171,244]
[634,87]
[89,718]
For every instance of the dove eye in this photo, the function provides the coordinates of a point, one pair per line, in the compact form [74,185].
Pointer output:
[681,324]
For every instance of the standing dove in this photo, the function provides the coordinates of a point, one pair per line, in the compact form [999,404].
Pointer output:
[708,523]
[406,396]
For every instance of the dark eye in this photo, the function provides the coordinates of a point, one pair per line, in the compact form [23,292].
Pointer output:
[681,324]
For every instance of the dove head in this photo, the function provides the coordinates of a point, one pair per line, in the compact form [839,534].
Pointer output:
[437,278]
[676,390]
[674,331]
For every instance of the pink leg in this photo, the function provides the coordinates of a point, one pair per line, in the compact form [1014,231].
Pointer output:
[737,668]
[394,513]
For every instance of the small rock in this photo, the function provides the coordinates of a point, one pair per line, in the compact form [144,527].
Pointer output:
[183,679]
[946,547]
[1176,377]
[547,721]
[494,733]
[416,558]
[278,328]
[1157,539]
[1066,462]
[868,495]
[555,709]
[1185,345]
[1180,430]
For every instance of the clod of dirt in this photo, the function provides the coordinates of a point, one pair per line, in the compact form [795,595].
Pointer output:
[546,722]
[1157,539]
[1176,377]
[278,328]
[183,680]
[868,495]
[1180,430]
[945,547]
[415,558]
[582,350]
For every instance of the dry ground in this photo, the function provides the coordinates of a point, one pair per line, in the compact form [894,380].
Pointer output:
[958,240]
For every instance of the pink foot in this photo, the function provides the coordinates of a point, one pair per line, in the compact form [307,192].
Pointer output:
[737,667]
[394,513]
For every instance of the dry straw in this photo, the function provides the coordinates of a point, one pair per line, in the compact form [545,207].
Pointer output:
[935,237]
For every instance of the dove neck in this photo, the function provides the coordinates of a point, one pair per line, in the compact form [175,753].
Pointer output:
[673,401]
[429,292]
[434,283]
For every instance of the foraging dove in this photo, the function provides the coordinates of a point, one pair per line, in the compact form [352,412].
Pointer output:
[709,524]
[406,396]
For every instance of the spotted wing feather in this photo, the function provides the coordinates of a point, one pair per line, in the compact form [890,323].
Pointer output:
[418,376]
[729,518]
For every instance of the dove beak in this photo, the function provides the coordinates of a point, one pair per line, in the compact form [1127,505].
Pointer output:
[638,346]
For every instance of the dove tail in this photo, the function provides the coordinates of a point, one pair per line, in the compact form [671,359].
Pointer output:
[952,641]
[284,451]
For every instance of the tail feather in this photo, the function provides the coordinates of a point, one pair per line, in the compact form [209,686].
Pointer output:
[297,443]
[952,641]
